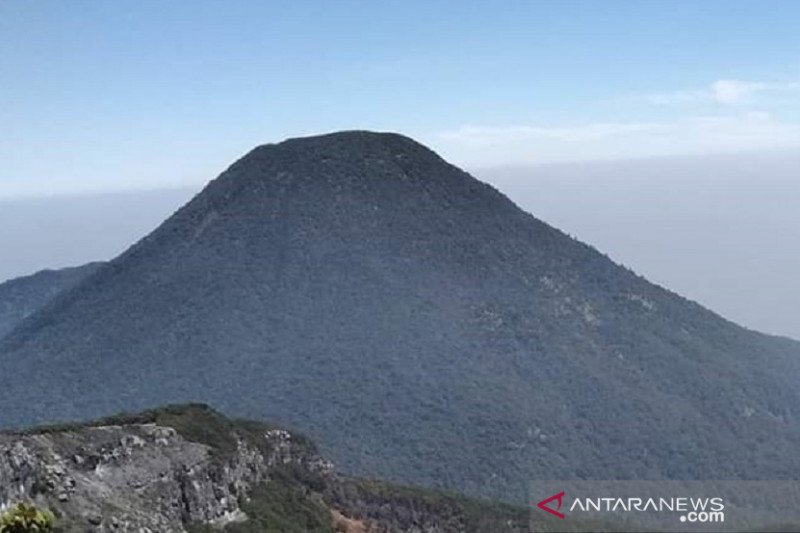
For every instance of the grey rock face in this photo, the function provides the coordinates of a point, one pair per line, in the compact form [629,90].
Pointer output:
[137,478]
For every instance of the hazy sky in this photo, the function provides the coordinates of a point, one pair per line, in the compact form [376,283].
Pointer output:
[61,231]
[721,230]
[100,95]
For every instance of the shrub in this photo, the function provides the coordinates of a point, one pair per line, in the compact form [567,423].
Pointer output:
[26,518]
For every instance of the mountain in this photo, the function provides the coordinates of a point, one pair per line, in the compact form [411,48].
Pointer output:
[186,468]
[416,324]
[20,297]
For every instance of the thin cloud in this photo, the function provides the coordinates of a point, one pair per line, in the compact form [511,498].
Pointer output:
[698,134]
[678,97]
[497,135]
[728,92]
[731,92]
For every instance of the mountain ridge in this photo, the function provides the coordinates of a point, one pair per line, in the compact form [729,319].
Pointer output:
[23,296]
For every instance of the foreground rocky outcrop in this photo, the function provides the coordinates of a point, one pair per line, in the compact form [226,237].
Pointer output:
[187,468]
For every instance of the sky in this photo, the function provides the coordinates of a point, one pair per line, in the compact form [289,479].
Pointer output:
[99,96]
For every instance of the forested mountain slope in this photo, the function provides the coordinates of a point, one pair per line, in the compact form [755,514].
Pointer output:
[417,324]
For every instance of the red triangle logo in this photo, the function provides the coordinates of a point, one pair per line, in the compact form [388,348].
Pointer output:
[555,497]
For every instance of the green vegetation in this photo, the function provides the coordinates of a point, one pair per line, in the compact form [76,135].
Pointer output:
[284,505]
[288,503]
[26,518]
[390,504]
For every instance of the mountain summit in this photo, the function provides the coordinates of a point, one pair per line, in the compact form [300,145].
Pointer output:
[417,324]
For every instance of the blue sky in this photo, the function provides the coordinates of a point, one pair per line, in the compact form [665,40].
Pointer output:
[102,95]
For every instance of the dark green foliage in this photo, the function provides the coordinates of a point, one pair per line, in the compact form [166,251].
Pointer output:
[284,505]
[201,528]
[402,505]
[21,297]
